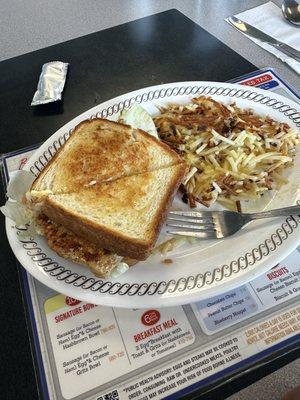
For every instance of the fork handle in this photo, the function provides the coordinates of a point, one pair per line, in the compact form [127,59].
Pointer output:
[279,212]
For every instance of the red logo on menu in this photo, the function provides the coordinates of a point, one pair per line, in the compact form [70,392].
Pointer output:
[72,302]
[150,317]
[22,162]
[258,80]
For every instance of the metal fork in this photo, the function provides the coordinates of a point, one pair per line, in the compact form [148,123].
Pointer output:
[218,224]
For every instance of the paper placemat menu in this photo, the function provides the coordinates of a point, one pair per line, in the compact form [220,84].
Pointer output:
[94,345]
[101,353]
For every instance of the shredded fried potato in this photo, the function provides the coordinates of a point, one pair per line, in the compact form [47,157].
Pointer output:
[233,153]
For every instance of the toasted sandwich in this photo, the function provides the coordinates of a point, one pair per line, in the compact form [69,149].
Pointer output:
[123,216]
[104,197]
[99,151]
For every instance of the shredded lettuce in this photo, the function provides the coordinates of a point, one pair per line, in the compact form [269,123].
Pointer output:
[17,212]
[138,118]
[120,269]
[22,217]
[20,182]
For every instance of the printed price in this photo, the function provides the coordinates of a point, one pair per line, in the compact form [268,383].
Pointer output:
[116,356]
[107,328]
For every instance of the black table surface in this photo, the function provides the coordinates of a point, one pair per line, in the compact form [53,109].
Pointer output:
[165,47]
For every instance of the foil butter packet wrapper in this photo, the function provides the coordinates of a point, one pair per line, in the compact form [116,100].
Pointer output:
[51,83]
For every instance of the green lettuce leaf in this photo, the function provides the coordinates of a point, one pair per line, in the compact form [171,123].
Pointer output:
[138,118]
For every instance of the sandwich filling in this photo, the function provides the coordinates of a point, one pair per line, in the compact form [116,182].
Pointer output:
[77,249]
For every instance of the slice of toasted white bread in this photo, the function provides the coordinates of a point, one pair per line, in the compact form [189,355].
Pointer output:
[101,150]
[123,216]
[68,245]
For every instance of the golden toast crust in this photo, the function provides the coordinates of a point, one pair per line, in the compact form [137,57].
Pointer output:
[87,161]
[111,239]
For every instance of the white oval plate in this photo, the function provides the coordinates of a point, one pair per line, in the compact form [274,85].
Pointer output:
[198,271]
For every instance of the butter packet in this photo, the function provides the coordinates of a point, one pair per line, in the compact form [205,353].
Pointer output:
[51,83]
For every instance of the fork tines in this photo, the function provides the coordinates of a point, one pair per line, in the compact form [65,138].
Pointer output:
[194,223]
[197,214]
